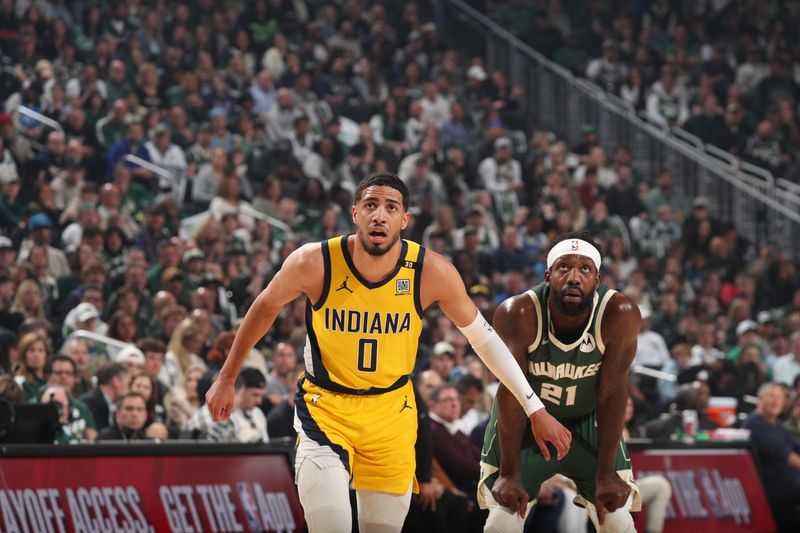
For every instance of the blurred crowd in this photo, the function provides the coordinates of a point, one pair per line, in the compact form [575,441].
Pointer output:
[161,159]
[726,71]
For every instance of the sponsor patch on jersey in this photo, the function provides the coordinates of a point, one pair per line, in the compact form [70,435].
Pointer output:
[403,286]
[587,344]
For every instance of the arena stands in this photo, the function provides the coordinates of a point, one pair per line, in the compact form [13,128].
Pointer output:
[160,160]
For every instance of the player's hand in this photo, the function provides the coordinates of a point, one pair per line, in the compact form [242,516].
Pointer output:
[546,429]
[427,496]
[219,399]
[610,494]
[509,492]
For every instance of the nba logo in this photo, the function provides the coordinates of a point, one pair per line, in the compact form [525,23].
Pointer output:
[574,246]
[249,506]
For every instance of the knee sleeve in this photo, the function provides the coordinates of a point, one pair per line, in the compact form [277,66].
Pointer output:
[323,485]
[382,512]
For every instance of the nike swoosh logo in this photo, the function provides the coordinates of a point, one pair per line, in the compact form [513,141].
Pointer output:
[529,396]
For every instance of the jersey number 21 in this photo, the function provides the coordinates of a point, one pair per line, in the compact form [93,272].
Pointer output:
[552,393]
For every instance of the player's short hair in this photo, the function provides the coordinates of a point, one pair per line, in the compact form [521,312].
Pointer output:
[383,179]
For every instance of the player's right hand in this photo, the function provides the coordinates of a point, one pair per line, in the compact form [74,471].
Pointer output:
[219,399]
[546,429]
[509,492]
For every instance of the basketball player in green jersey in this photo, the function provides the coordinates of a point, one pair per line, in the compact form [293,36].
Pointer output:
[575,339]
[355,411]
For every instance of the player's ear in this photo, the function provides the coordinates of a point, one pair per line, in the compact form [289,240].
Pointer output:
[547,277]
[406,219]
[353,212]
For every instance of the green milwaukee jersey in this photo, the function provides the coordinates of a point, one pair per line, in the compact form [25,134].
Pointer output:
[565,375]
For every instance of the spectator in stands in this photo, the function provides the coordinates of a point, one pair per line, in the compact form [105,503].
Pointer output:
[501,175]
[183,348]
[78,351]
[458,456]
[131,144]
[112,385]
[62,370]
[442,360]
[11,208]
[247,422]
[280,381]
[787,367]
[607,71]
[33,352]
[652,352]
[765,148]
[41,227]
[74,416]
[145,385]
[778,457]
[130,417]
[472,407]
[182,402]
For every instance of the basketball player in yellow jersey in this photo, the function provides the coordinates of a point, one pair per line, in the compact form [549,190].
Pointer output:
[354,410]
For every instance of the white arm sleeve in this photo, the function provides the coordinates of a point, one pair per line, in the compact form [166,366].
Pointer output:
[498,358]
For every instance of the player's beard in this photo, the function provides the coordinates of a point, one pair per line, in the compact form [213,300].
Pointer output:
[569,308]
[377,250]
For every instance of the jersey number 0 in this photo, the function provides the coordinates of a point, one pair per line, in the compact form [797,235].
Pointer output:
[368,355]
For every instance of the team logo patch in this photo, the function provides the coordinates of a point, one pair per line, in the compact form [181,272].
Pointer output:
[344,287]
[403,286]
[587,344]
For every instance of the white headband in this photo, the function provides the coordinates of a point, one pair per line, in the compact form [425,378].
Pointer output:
[573,247]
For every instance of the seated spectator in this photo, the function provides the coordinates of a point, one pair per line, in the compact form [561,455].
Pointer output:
[471,402]
[652,352]
[181,403]
[145,385]
[765,148]
[501,175]
[778,457]
[130,417]
[667,102]
[247,422]
[33,352]
[655,490]
[131,144]
[457,455]
[608,71]
[281,379]
[78,351]
[183,347]
[787,367]
[112,384]
[41,228]
[166,154]
[74,416]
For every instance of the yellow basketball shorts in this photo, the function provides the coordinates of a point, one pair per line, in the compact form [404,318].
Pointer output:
[373,435]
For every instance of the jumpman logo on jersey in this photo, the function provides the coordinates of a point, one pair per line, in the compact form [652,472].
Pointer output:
[344,285]
[405,405]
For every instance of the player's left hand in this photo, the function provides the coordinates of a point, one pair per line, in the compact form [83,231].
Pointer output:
[610,494]
[428,494]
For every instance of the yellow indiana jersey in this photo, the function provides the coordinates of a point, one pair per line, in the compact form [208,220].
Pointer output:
[362,336]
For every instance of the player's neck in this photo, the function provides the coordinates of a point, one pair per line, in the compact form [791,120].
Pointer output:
[374,268]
